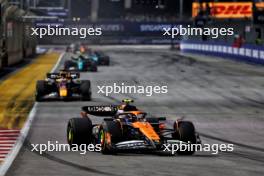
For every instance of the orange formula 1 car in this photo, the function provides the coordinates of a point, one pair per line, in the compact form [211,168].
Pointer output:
[128,131]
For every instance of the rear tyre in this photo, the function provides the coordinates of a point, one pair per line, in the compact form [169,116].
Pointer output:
[86,94]
[185,132]
[79,131]
[109,134]
[94,68]
[41,89]
[68,49]
[107,61]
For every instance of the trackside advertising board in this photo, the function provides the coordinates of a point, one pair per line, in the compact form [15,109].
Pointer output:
[226,9]
[247,53]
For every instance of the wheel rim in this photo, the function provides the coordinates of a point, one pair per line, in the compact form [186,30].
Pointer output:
[70,135]
[101,137]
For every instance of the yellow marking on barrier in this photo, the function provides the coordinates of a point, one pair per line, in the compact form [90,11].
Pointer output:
[17,93]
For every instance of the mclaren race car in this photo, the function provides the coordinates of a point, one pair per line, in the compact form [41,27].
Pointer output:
[63,85]
[128,129]
[81,63]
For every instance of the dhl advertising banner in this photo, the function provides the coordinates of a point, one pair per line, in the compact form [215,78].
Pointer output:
[226,9]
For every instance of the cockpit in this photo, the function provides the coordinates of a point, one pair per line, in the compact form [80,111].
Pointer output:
[132,116]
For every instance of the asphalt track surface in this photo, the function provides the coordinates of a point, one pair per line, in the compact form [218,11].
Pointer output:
[223,98]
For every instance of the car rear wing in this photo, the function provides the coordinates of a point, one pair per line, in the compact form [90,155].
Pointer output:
[74,58]
[53,75]
[109,110]
[72,75]
[84,57]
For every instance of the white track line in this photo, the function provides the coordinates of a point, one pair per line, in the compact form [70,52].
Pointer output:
[5,148]
[7,142]
[4,152]
[7,162]
[9,131]
[58,62]
[6,145]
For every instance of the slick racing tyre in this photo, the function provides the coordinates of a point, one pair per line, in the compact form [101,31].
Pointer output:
[104,61]
[93,67]
[41,90]
[85,88]
[185,131]
[107,61]
[68,49]
[79,131]
[109,134]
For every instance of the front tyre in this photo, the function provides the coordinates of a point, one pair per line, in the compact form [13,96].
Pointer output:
[41,89]
[94,68]
[107,61]
[79,131]
[109,134]
[85,88]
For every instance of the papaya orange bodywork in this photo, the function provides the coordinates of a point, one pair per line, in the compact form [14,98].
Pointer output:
[147,130]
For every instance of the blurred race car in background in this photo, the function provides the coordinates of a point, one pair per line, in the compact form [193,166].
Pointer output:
[102,58]
[74,47]
[98,56]
[130,130]
[81,63]
[63,85]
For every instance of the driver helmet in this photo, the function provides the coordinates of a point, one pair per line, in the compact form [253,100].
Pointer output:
[126,105]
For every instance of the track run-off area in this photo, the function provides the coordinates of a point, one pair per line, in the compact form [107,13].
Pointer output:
[17,98]
[223,98]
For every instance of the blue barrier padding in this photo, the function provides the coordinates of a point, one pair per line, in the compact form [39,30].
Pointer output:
[247,53]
